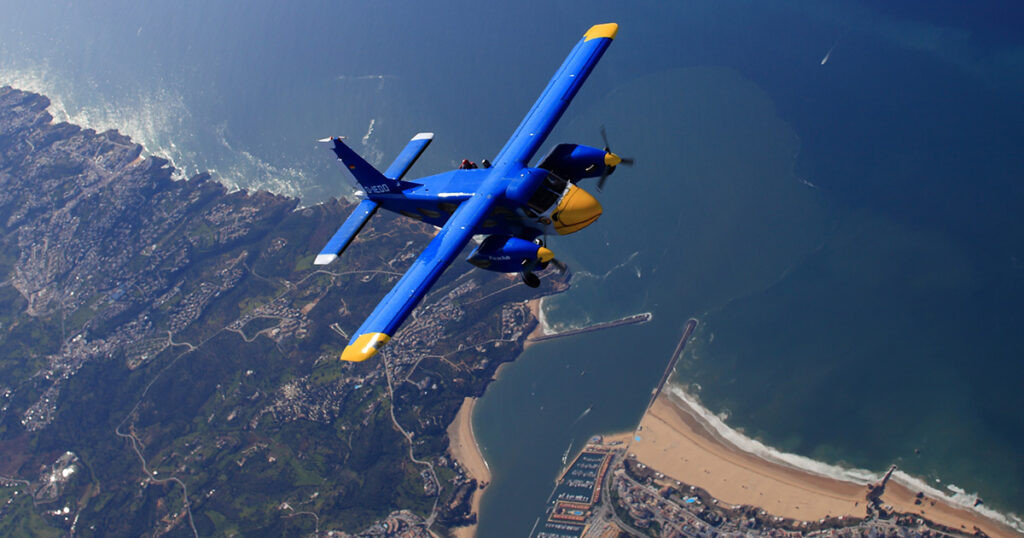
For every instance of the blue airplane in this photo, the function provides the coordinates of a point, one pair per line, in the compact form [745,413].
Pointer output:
[514,205]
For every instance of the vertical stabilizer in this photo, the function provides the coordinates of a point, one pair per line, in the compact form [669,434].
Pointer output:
[370,180]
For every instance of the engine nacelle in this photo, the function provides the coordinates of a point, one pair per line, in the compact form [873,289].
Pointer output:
[575,162]
[506,254]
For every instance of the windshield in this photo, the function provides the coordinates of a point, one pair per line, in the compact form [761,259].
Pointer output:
[547,193]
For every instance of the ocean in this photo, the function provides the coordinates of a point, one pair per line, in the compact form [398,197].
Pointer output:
[831,188]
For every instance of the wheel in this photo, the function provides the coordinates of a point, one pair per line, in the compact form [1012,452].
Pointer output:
[531,279]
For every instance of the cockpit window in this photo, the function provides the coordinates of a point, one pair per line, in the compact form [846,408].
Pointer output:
[547,193]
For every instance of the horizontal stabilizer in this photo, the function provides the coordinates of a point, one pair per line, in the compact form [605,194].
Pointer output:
[408,156]
[346,233]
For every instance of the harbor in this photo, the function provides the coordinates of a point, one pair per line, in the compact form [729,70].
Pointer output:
[675,475]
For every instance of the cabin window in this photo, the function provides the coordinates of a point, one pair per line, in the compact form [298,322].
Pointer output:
[549,191]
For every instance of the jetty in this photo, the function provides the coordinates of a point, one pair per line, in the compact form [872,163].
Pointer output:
[628,320]
[691,325]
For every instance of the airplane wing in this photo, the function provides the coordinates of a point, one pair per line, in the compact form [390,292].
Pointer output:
[555,98]
[410,289]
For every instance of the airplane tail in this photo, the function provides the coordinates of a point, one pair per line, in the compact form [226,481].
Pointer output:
[370,180]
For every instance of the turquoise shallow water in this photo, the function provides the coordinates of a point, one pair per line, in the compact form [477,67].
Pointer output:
[847,232]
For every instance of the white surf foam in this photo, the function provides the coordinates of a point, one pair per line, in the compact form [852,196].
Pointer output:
[581,279]
[161,122]
[371,152]
[251,172]
[958,497]
[148,119]
[542,318]
[859,476]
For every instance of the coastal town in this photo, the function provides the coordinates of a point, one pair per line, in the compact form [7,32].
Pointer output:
[670,477]
[624,497]
[223,408]
[216,343]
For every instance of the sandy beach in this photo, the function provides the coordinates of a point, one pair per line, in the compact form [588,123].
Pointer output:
[462,441]
[538,329]
[680,445]
[464,448]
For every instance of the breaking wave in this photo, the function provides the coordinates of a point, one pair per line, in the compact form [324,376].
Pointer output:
[249,171]
[609,272]
[580,318]
[148,120]
[958,497]
[542,318]
[162,123]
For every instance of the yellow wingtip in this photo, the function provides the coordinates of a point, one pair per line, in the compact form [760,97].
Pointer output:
[364,347]
[601,30]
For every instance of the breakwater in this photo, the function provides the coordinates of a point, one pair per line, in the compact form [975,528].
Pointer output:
[628,320]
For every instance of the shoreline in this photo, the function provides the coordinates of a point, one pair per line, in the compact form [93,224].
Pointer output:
[534,305]
[675,440]
[462,442]
[464,448]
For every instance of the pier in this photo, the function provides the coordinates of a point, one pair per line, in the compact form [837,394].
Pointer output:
[691,325]
[628,320]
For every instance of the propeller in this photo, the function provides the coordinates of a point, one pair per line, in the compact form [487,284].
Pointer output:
[544,256]
[611,160]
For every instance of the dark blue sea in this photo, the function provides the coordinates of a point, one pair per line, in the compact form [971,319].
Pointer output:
[833,189]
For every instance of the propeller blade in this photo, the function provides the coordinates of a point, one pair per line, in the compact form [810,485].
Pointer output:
[604,177]
[562,268]
[628,161]
[604,136]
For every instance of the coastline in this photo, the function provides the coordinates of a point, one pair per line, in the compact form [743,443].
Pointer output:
[462,441]
[465,450]
[538,329]
[674,439]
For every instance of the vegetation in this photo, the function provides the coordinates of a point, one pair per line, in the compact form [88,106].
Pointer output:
[145,373]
